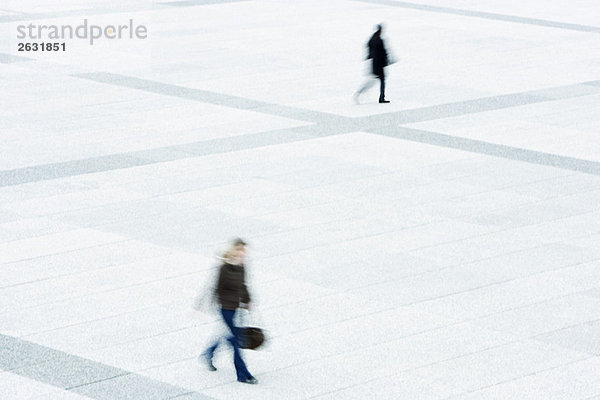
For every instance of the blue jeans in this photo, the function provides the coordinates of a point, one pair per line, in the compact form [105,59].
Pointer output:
[240,366]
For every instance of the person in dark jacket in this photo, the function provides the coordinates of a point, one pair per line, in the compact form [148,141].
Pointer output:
[231,293]
[378,55]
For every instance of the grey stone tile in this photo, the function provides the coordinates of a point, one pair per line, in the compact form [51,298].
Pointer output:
[567,92]
[545,317]
[554,187]
[498,364]
[359,200]
[576,380]
[191,396]
[160,155]
[68,168]
[584,338]
[529,214]
[31,228]
[328,125]
[211,97]
[492,149]
[151,156]
[486,15]
[176,91]
[242,142]
[111,213]
[191,3]
[132,387]
[67,371]
[82,376]
[9,58]
[83,12]
[189,230]
[51,366]
[7,216]
[71,262]
[17,353]
[453,109]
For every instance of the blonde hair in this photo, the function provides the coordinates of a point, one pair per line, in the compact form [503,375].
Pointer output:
[231,250]
[226,256]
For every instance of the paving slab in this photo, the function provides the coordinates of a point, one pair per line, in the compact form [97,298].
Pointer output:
[442,246]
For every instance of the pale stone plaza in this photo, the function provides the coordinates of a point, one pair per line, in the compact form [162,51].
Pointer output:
[443,246]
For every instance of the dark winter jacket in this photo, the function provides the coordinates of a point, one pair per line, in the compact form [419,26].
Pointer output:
[378,54]
[231,287]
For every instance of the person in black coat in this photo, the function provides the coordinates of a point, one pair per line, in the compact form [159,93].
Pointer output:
[231,292]
[378,55]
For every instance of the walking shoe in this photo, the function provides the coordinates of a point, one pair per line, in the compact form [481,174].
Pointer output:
[252,380]
[206,360]
[384,101]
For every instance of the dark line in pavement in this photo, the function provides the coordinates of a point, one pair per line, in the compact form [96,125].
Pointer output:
[206,96]
[6,58]
[491,149]
[80,375]
[487,15]
[323,124]
[139,158]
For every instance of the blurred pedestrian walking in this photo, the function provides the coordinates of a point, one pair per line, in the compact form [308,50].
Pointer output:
[378,55]
[231,293]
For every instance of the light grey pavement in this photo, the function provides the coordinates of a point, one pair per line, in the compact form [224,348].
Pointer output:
[443,246]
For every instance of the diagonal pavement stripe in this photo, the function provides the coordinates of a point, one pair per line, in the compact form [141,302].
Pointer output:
[80,375]
[325,124]
[139,158]
[486,15]
[207,96]
[491,149]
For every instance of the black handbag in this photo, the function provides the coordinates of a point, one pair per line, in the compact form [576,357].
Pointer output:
[251,337]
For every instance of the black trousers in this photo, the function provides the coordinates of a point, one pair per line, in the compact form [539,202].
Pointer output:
[370,83]
[381,86]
